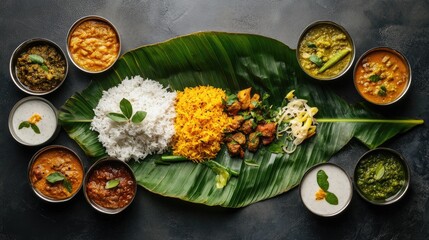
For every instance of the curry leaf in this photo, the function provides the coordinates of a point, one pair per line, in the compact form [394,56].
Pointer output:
[126,108]
[316,60]
[112,183]
[35,128]
[331,198]
[138,117]
[67,184]
[379,172]
[311,45]
[55,177]
[322,180]
[117,117]
[24,124]
[34,58]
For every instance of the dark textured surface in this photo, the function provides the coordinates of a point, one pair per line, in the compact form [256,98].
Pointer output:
[403,25]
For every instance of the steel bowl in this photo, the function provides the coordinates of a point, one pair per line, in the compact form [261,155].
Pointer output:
[77,24]
[14,123]
[400,193]
[109,162]
[29,173]
[397,54]
[339,183]
[342,29]
[23,47]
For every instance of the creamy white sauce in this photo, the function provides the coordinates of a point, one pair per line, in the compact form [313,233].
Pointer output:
[339,184]
[47,125]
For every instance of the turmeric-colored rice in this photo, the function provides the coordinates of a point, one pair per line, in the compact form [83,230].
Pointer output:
[200,123]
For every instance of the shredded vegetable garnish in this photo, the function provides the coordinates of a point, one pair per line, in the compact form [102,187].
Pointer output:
[296,120]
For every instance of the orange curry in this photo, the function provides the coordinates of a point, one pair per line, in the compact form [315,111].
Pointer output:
[61,161]
[381,77]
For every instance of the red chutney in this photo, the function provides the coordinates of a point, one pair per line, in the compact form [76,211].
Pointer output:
[112,198]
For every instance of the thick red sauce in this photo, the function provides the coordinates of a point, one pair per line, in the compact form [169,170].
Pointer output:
[113,198]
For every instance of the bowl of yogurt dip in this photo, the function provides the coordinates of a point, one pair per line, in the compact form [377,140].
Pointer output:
[33,121]
[326,190]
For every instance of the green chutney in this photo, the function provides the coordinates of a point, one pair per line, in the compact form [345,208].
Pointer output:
[380,175]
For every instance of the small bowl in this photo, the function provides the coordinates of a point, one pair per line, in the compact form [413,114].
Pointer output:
[80,51]
[92,186]
[383,175]
[61,157]
[340,185]
[48,125]
[401,76]
[22,48]
[328,74]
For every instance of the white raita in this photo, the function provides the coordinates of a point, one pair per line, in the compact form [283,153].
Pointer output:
[130,140]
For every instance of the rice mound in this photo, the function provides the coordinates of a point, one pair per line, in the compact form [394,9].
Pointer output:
[129,140]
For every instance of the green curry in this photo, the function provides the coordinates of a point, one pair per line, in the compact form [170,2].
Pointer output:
[380,176]
[325,51]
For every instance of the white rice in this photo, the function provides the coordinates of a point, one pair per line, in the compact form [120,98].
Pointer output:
[130,140]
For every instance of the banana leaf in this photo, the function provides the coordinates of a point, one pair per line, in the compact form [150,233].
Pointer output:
[232,62]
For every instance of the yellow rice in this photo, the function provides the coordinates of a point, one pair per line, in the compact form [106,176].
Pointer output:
[200,123]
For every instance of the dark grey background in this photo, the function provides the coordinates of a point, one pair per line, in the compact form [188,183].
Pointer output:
[403,25]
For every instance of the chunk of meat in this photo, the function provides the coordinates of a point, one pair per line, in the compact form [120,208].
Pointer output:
[248,126]
[253,142]
[235,123]
[234,108]
[244,98]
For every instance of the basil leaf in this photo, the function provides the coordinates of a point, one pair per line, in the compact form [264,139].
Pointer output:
[126,108]
[67,184]
[112,183]
[138,117]
[379,172]
[322,180]
[117,117]
[34,58]
[311,45]
[24,124]
[35,128]
[331,198]
[316,60]
[251,162]
[55,177]
[374,78]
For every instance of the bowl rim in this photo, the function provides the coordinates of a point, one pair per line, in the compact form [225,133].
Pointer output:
[349,199]
[17,105]
[23,46]
[100,162]
[327,22]
[397,196]
[397,53]
[33,159]
[80,21]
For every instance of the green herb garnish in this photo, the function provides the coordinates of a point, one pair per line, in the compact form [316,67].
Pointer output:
[27,124]
[311,45]
[127,113]
[375,78]
[322,181]
[34,58]
[382,91]
[112,183]
[379,172]
[331,198]
[316,60]
[58,177]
